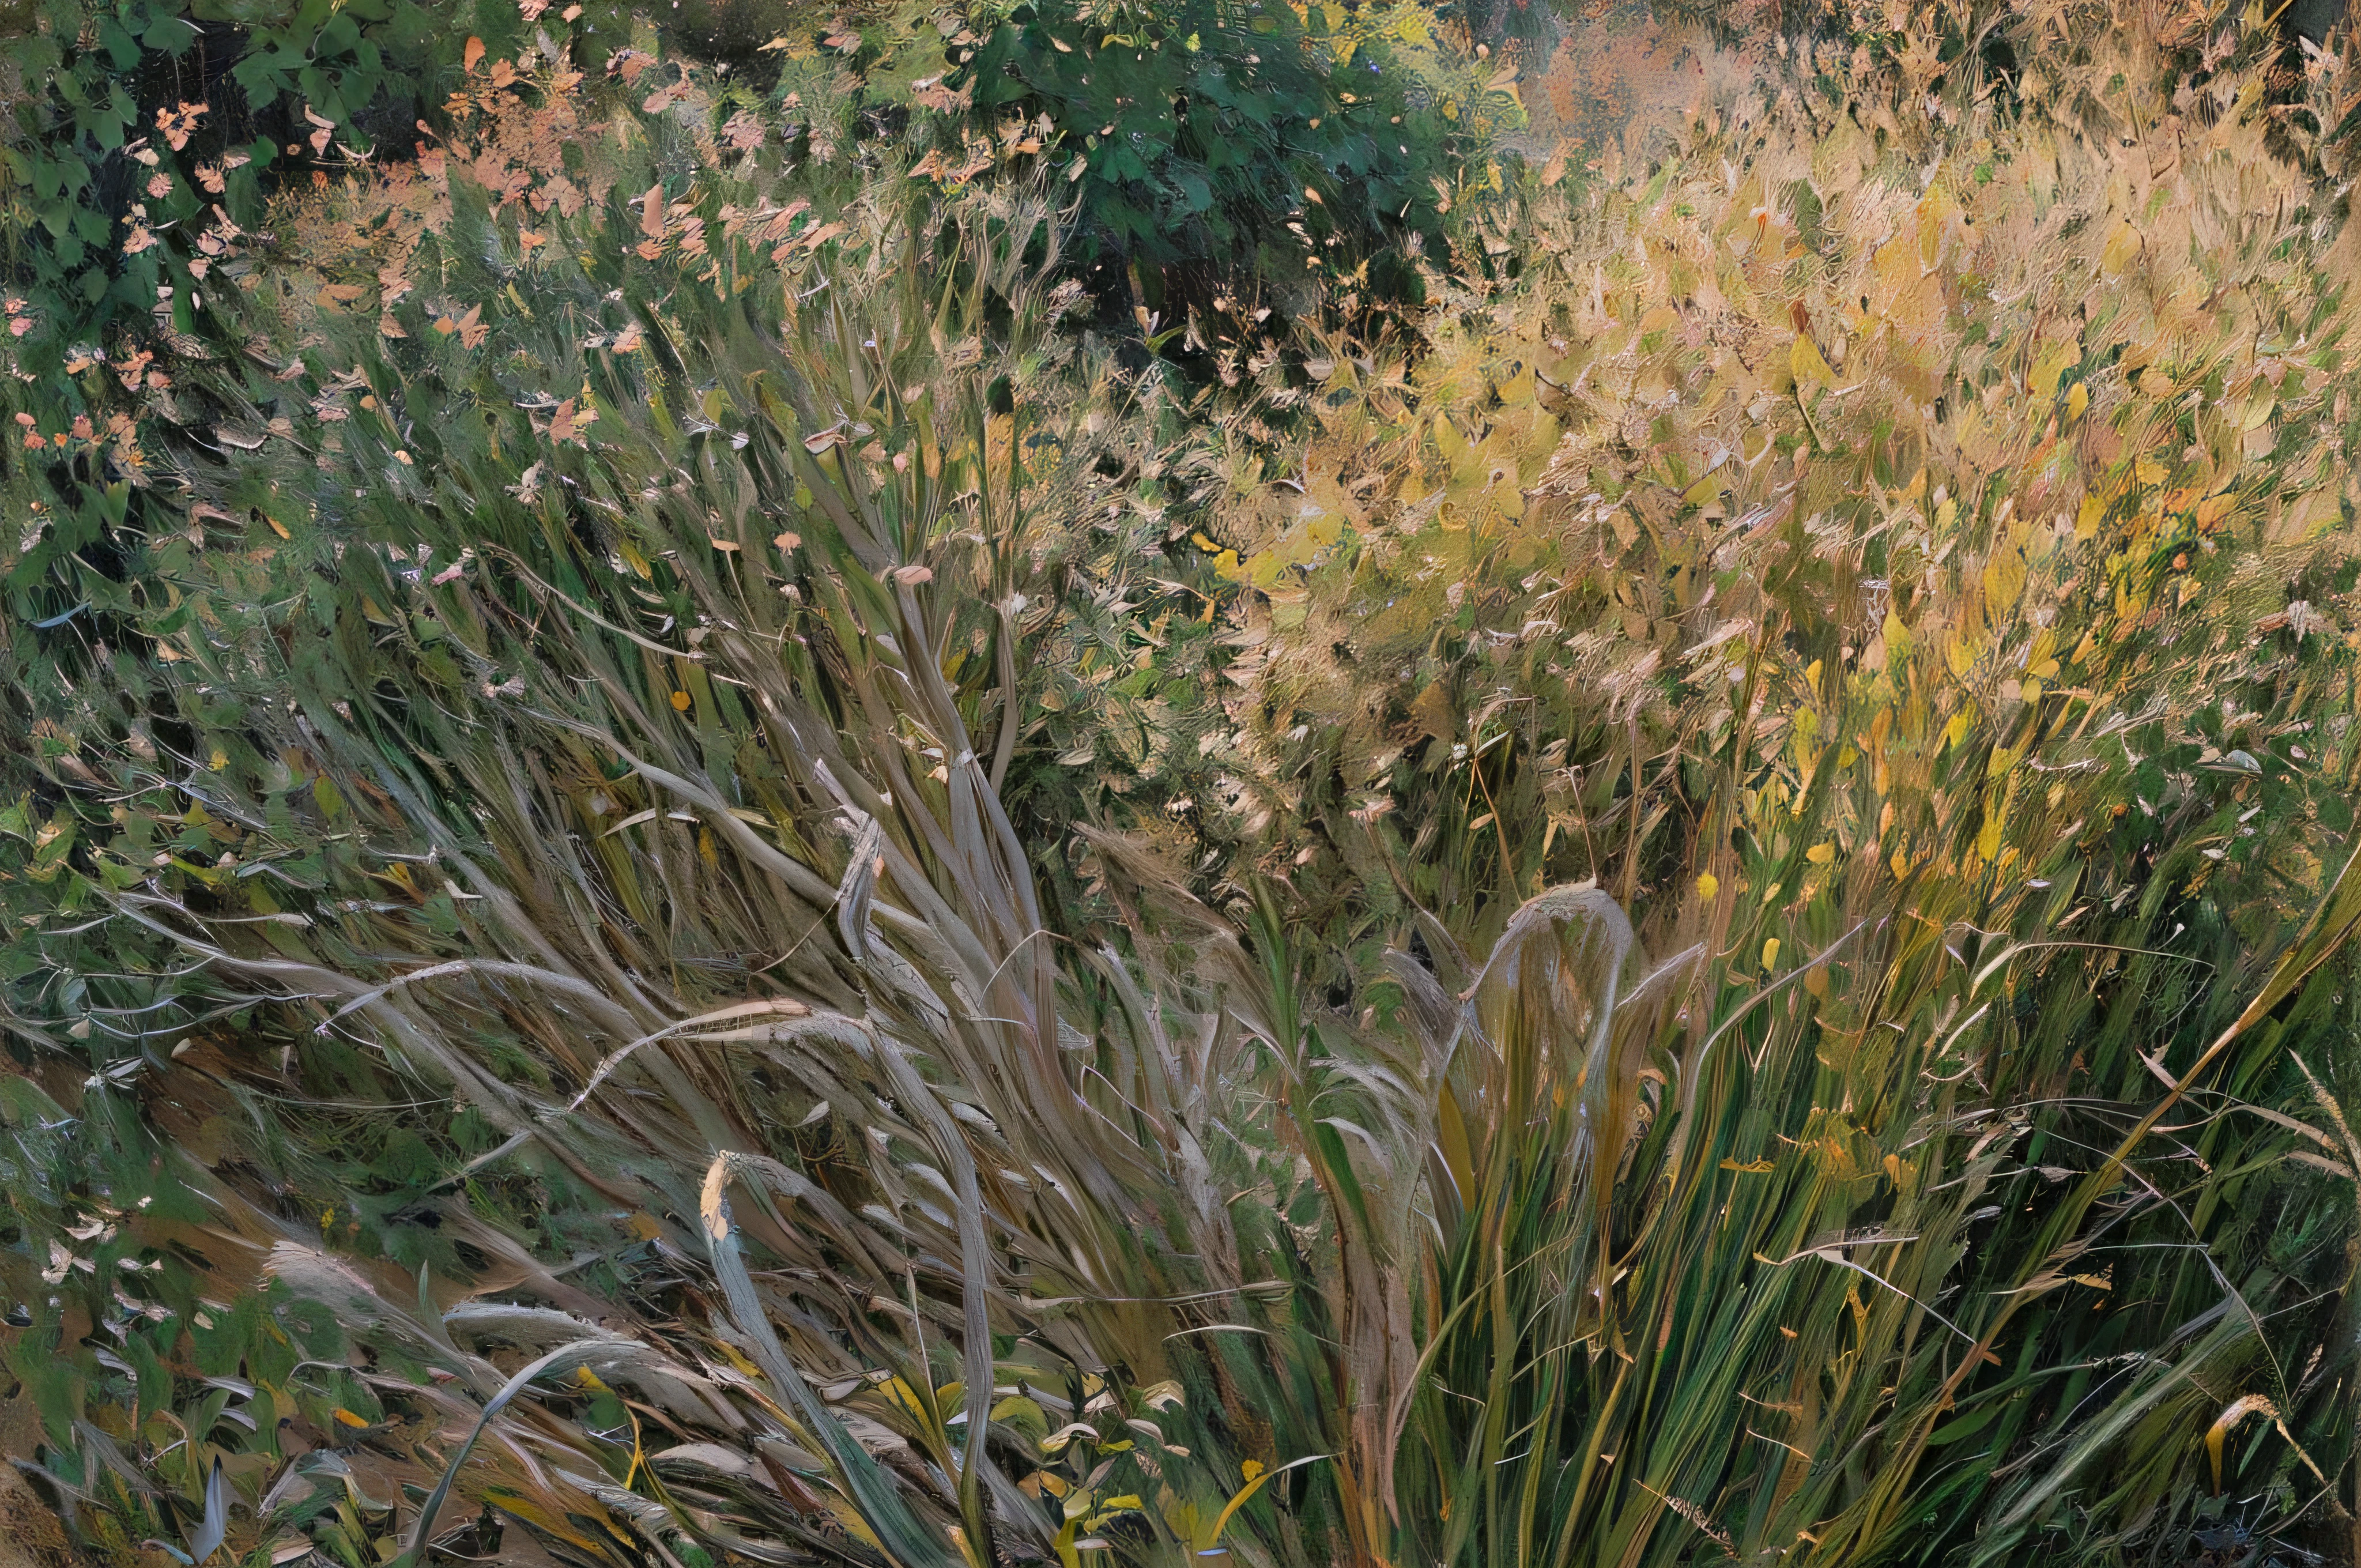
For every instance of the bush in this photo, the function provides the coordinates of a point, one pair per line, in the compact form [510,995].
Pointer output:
[1220,150]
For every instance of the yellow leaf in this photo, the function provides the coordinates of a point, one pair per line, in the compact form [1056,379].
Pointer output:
[2003,580]
[1995,820]
[2237,1411]
[1770,954]
[1751,1168]
[1955,732]
[2123,246]
[1809,365]
[1254,1477]
[2043,382]
[346,1418]
[1451,443]
[1820,854]
[2088,517]
[2077,400]
[1936,210]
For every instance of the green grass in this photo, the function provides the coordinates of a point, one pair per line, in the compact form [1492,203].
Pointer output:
[695,870]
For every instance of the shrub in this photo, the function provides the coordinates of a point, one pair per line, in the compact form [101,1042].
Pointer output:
[1221,151]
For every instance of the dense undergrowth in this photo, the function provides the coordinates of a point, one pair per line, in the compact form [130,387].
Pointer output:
[1639,867]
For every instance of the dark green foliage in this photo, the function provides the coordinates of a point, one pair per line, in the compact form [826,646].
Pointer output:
[1214,146]
[117,173]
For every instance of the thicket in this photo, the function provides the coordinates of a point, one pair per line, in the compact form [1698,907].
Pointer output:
[722,764]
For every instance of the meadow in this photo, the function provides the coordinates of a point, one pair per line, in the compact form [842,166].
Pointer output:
[1231,783]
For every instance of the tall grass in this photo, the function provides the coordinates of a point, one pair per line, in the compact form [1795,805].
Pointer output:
[1747,1021]
[1828,545]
